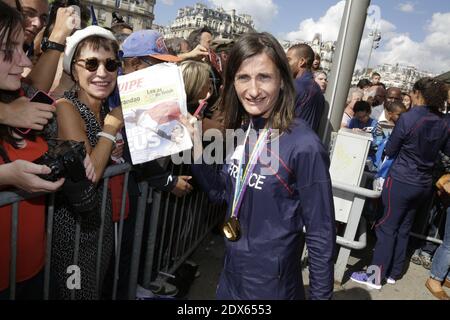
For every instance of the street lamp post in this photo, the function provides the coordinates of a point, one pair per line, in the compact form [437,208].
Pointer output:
[376,38]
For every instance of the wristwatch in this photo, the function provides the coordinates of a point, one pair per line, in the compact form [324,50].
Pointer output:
[50,45]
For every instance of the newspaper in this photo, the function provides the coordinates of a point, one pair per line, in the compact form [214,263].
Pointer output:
[152,101]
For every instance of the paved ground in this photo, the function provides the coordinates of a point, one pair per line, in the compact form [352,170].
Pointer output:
[411,287]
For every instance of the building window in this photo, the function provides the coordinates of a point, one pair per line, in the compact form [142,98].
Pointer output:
[198,21]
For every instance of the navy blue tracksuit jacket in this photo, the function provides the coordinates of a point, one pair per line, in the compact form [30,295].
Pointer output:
[310,103]
[415,141]
[264,262]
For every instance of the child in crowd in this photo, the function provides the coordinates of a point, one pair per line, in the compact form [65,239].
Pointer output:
[361,119]
[384,127]
[381,136]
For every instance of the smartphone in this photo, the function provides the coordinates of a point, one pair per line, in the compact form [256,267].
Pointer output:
[368,129]
[200,109]
[42,97]
[77,21]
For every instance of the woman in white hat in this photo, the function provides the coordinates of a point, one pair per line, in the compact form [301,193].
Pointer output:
[91,59]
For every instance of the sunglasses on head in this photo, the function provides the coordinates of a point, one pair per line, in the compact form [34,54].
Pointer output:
[92,64]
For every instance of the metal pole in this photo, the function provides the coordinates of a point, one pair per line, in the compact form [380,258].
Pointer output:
[350,34]
[163,234]
[98,284]
[151,240]
[13,246]
[370,54]
[48,253]
[137,242]
[76,252]
[181,222]
[119,237]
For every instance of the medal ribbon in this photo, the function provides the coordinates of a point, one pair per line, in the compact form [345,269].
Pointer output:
[242,180]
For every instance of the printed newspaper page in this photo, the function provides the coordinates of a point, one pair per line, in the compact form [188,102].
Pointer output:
[152,101]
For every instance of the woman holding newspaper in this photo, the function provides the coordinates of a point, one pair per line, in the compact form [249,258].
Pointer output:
[269,203]
[91,58]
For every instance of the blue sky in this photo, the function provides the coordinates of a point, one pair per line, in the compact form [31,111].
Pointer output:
[414,32]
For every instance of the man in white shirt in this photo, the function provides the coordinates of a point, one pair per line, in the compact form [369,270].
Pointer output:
[376,96]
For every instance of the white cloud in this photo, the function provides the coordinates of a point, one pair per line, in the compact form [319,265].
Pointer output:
[262,11]
[430,54]
[167,2]
[406,7]
[328,25]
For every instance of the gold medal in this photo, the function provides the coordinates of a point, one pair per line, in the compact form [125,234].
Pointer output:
[232,229]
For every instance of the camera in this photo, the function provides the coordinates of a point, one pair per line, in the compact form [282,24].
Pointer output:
[65,159]
[117,18]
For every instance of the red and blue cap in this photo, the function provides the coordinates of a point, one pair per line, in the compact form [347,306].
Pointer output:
[144,43]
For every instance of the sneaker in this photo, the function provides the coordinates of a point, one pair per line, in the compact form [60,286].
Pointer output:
[144,294]
[163,289]
[426,261]
[362,278]
[390,280]
[415,258]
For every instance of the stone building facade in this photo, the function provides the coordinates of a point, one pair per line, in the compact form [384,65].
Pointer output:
[224,24]
[400,76]
[324,48]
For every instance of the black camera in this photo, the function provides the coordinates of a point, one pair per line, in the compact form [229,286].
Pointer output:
[65,159]
[117,18]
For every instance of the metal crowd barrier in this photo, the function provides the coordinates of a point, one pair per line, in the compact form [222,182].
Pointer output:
[432,215]
[357,225]
[177,227]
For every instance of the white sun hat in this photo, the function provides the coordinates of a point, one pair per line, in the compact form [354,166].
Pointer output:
[73,41]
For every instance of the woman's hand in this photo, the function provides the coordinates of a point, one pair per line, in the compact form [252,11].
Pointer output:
[195,131]
[23,175]
[198,53]
[183,187]
[191,124]
[117,151]
[67,19]
[21,113]
[90,170]
[443,184]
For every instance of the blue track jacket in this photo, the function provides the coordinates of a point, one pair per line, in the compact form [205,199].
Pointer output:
[310,103]
[416,139]
[265,262]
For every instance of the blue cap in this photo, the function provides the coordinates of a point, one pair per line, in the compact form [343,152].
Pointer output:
[145,43]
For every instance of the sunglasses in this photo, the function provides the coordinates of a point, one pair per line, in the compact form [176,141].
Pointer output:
[92,64]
